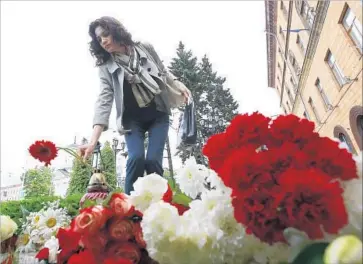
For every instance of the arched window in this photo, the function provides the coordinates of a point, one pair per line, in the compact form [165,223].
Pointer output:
[356,124]
[342,135]
[360,125]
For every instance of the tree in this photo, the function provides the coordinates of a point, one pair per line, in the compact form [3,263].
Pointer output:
[38,183]
[185,67]
[108,165]
[80,176]
[211,99]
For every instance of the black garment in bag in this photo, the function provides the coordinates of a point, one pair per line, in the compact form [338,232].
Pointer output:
[187,132]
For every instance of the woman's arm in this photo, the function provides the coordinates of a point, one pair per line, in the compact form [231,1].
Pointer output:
[170,78]
[104,101]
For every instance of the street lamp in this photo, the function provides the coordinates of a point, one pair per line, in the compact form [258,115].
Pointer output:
[115,144]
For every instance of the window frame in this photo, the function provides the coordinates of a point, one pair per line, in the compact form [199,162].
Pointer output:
[315,111]
[300,44]
[337,72]
[323,95]
[348,29]
[346,141]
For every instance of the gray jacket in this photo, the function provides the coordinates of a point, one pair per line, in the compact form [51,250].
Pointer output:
[111,88]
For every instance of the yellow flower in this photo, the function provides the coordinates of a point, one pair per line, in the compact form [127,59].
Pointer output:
[7,227]
[344,250]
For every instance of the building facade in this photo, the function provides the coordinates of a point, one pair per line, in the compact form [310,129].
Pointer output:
[11,192]
[314,60]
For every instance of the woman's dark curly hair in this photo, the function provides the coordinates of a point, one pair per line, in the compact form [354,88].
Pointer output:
[116,30]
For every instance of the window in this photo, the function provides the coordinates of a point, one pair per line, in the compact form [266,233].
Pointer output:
[311,103]
[283,8]
[306,116]
[294,63]
[279,67]
[282,32]
[354,27]
[289,94]
[338,73]
[300,43]
[343,139]
[322,94]
[288,106]
[294,85]
[360,124]
[306,13]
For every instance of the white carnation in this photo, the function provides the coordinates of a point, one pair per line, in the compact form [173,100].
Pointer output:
[190,178]
[53,245]
[148,190]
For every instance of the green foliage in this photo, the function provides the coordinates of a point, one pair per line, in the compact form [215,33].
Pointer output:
[210,96]
[312,254]
[35,204]
[108,165]
[38,183]
[80,176]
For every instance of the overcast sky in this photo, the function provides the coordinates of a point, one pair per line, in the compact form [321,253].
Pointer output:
[49,83]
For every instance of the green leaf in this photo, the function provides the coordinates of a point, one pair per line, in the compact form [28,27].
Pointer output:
[181,198]
[88,203]
[311,254]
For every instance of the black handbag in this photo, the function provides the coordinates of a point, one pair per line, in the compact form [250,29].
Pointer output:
[187,132]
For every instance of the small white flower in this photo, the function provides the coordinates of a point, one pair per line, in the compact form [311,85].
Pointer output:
[148,190]
[191,177]
[53,245]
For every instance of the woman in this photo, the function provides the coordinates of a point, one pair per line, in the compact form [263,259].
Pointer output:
[132,75]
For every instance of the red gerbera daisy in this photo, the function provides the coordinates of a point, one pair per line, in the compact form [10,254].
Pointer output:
[44,151]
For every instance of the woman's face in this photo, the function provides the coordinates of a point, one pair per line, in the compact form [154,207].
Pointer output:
[105,39]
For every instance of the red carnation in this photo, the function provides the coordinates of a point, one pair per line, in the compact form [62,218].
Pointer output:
[43,254]
[216,150]
[292,129]
[245,169]
[312,202]
[248,130]
[82,257]
[117,261]
[68,242]
[168,195]
[326,155]
[44,151]
[181,208]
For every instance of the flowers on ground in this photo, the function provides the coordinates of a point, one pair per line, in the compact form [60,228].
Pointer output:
[108,233]
[42,226]
[282,174]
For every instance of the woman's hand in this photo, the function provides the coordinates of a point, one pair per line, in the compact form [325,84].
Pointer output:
[187,94]
[86,151]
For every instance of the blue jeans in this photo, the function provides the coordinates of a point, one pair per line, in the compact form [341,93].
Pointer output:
[137,163]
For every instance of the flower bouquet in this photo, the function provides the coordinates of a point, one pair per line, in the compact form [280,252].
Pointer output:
[39,229]
[276,192]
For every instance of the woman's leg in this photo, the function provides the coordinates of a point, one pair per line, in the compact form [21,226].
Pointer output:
[135,165]
[158,131]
